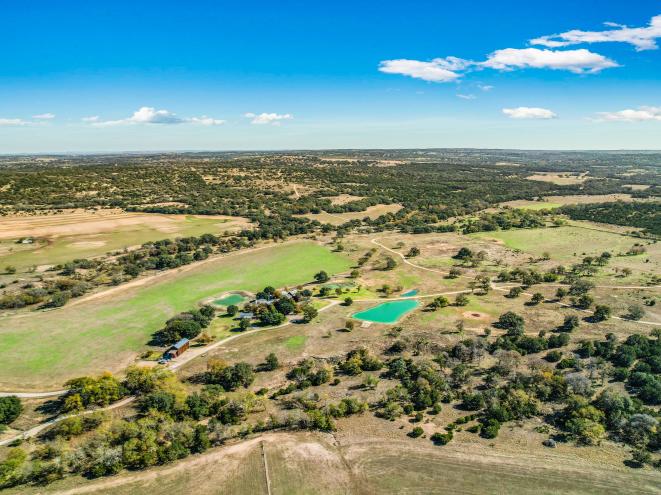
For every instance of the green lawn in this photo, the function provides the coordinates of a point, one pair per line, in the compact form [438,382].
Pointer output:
[295,342]
[44,349]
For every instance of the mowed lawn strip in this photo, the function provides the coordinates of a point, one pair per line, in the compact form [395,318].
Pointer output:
[44,349]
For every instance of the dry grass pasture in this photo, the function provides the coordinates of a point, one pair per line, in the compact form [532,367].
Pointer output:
[58,238]
[340,218]
[383,461]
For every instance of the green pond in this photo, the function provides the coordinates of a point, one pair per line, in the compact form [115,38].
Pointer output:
[389,312]
[229,300]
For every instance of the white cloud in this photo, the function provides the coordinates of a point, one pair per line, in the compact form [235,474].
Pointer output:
[144,115]
[268,118]
[13,122]
[466,97]
[485,87]
[452,68]
[577,61]
[643,38]
[642,114]
[204,120]
[529,113]
[438,70]
[149,115]
[44,116]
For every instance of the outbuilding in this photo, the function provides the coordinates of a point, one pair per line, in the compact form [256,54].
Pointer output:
[177,349]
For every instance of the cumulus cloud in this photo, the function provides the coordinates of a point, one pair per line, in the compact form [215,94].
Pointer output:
[204,120]
[450,69]
[642,114]
[485,87]
[577,61]
[44,116]
[466,97]
[642,38]
[268,118]
[149,115]
[438,70]
[529,113]
[13,122]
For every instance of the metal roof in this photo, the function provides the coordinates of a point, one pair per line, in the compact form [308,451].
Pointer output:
[180,344]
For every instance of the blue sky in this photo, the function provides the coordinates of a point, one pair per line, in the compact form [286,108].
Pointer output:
[115,76]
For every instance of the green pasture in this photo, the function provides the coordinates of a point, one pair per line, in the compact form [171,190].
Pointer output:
[43,349]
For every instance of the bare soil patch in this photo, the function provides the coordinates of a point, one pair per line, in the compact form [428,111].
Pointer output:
[343,199]
[562,179]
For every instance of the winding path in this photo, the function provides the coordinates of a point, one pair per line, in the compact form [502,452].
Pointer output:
[495,287]
[200,351]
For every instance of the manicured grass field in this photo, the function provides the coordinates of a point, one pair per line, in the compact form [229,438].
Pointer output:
[44,349]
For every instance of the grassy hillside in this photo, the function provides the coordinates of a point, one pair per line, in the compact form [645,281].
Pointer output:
[45,349]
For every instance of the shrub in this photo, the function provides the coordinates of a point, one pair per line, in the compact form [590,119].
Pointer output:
[10,409]
[441,438]
[416,432]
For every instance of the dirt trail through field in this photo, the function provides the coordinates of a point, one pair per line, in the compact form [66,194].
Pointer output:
[495,287]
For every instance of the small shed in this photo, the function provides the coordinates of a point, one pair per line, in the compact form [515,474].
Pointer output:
[177,349]
[246,314]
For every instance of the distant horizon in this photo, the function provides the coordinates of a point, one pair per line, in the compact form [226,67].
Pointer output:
[302,150]
[95,77]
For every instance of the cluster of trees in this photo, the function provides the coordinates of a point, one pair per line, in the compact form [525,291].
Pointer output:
[75,278]
[10,409]
[636,361]
[229,377]
[645,216]
[505,220]
[188,324]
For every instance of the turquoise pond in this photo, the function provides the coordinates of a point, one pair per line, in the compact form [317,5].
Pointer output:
[410,293]
[389,312]
[230,299]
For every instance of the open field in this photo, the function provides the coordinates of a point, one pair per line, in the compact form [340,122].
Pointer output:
[84,234]
[551,202]
[340,218]
[104,333]
[385,461]
[561,179]
[567,242]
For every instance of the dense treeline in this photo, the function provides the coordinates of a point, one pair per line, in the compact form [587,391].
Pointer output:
[645,216]
[432,187]
[75,278]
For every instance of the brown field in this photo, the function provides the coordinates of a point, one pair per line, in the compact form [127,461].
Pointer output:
[561,179]
[340,218]
[79,222]
[58,238]
[383,461]
[343,199]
